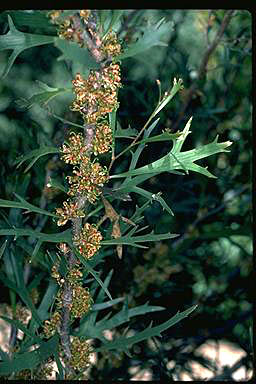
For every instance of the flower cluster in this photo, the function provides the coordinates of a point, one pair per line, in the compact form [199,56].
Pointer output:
[80,350]
[70,27]
[110,45]
[81,301]
[87,180]
[97,96]
[74,151]
[68,212]
[103,138]
[50,326]
[88,241]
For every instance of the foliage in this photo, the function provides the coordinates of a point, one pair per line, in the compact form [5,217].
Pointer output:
[154,180]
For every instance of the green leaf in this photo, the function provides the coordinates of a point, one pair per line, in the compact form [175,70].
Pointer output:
[176,160]
[134,240]
[165,136]
[19,325]
[45,304]
[124,343]
[19,41]
[62,237]
[152,37]
[30,360]
[177,85]
[41,98]
[128,133]
[35,155]
[2,249]
[94,273]
[116,14]
[106,304]
[22,292]
[33,19]
[153,196]
[137,153]
[95,330]
[23,204]
[71,51]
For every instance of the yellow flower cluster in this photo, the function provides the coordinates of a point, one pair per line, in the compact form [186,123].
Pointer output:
[81,301]
[103,138]
[97,96]
[68,27]
[110,45]
[86,180]
[50,326]
[75,150]
[80,350]
[88,241]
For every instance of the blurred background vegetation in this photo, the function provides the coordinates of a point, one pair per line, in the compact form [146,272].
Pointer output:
[211,262]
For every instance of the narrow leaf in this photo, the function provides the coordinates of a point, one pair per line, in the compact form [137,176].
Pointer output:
[123,342]
[36,153]
[23,204]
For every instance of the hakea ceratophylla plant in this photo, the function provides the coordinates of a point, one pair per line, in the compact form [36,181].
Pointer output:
[93,39]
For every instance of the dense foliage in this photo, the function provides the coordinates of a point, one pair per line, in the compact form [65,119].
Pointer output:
[210,263]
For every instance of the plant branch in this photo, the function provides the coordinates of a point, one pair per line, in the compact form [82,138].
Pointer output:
[203,66]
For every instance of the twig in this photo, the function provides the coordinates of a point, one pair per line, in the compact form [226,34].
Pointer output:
[227,371]
[203,66]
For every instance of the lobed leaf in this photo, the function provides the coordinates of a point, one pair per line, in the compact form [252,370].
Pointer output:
[23,204]
[19,41]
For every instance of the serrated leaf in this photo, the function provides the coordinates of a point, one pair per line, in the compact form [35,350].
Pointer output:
[124,343]
[96,330]
[19,325]
[153,36]
[19,41]
[22,292]
[177,85]
[128,133]
[106,304]
[93,273]
[165,136]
